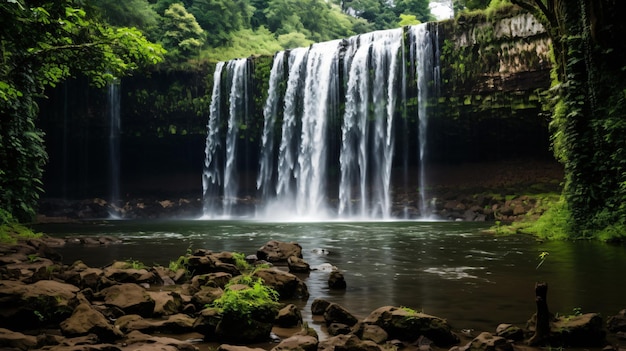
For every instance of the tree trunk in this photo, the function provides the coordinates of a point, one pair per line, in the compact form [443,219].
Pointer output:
[542,324]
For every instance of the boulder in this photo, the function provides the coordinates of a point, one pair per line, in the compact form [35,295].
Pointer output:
[174,324]
[130,275]
[206,322]
[206,296]
[297,265]
[203,262]
[130,298]
[617,323]
[336,281]
[338,328]
[16,341]
[86,320]
[226,347]
[33,269]
[215,280]
[140,341]
[335,313]
[347,342]
[318,306]
[278,251]
[91,278]
[486,342]
[289,316]
[371,332]
[31,305]
[166,302]
[235,329]
[297,343]
[584,330]
[286,284]
[510,332]
[408,325]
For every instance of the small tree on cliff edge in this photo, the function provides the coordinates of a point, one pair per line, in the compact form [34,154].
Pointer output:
[589,113]
[41,44]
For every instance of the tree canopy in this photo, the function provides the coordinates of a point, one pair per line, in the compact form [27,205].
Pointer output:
[290,23]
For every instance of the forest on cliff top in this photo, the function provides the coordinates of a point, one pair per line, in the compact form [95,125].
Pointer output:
[198,31]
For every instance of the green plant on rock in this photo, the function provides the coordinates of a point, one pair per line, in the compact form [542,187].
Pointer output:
[240,261]
[134,264]
[11,230]
[250,302]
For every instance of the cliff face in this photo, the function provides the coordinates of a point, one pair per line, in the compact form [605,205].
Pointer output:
[493,77]
[510,54]
[487,107]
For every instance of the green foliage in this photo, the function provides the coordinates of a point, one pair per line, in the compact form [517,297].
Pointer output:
[182,33]
[220,18]
[554,224]
[130,13]
[41,46]
[11,231]
[182,262]
[293,40]
[134,264]
[240,261]
[257,299]
[408,20]
[244,43]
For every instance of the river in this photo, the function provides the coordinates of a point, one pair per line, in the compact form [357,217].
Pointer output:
[451,270]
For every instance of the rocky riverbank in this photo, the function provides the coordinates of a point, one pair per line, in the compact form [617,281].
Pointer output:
[505,192]
[46,305]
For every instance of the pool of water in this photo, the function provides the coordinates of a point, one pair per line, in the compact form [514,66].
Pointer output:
[449,269]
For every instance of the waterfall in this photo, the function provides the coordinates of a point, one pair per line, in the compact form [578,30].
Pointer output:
[237,113]
[367,136]
[114,143]
[425,53]
[211,177]
[287,154]
[270,114]
[321,83]
[353,86]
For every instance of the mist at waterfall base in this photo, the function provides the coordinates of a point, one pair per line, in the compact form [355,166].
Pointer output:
[332,120]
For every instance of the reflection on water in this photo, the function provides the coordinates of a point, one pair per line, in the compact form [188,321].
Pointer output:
[447,269]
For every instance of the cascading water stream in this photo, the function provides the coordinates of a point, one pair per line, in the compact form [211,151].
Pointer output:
[114,143]
[270,114]
[288,152]
[367,149]
[427,72]
[211,177]
[321,83]
[238,113]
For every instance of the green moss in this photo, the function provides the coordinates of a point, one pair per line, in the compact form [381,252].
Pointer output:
[11,231]
[553,224]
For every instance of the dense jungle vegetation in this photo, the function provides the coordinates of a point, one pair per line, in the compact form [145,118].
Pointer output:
[44,42]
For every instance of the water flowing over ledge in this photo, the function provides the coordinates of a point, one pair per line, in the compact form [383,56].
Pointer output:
[352,128]
[330,122]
